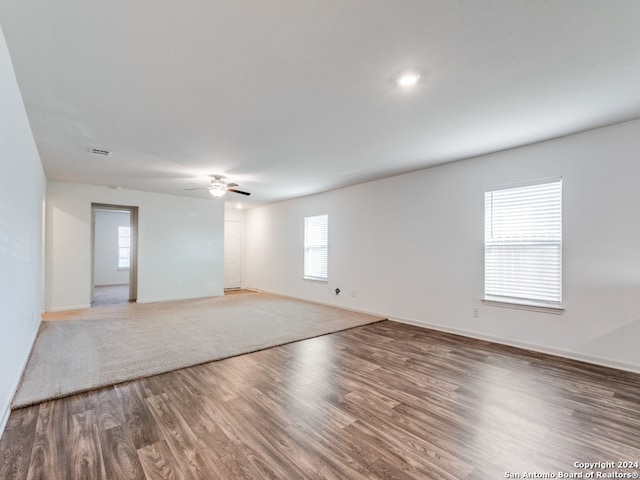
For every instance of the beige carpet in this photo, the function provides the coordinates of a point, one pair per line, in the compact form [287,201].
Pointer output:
[110,295]
[112,344]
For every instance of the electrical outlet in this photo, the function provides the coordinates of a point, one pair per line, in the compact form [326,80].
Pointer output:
[475,311]
[354,293]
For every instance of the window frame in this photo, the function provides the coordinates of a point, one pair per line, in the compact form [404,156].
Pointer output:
[323,246]
[534,235]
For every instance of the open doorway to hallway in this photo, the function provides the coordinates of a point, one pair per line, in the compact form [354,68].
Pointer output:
[114,265]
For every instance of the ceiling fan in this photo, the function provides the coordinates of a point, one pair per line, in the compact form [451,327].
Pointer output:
[218,187]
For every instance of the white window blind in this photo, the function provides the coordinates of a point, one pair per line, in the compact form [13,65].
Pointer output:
[523,243]
[124,247]
[316,247]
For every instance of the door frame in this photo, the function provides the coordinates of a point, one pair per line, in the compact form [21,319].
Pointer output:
[133,260]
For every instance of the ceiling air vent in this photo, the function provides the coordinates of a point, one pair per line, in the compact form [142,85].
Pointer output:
[100,151]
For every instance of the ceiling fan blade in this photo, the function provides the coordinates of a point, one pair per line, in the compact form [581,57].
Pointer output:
[198,188]
[237,191]
[232,185]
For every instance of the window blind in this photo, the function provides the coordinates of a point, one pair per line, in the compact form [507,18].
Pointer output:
[523,243]
[316,231]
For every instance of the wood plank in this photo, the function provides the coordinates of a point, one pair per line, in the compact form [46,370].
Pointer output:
[17,442]
[181,440]
[82,402]
[108,409]
[84,458]
[232,457]
[120,456]
[142,427]
[159,463]
[47,455]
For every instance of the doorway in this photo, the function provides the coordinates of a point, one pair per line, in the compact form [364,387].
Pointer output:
[114,254]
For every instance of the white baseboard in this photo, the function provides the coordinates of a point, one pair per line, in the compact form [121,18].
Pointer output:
[174,299]
[5,418]
[7,408]
[326,304]
[592,359]
[67,309]
[582,357]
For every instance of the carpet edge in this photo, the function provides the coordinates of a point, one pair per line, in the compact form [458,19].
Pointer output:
[18,405]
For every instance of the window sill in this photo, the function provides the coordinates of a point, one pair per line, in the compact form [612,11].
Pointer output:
[122,269]
[313,279]
[531,306]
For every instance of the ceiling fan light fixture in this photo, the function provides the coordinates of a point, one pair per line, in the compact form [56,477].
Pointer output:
[217,190]
[218,187]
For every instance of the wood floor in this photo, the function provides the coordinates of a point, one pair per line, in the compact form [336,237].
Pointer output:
[386,401]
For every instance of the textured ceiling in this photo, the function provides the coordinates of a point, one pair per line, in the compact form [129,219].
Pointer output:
[289,97]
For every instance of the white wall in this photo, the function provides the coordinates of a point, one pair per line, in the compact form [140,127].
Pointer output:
[22,186]
[180,249]
[411,247]
[105,260]
[234,214]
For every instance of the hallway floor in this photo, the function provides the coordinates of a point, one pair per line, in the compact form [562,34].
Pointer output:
[110,295]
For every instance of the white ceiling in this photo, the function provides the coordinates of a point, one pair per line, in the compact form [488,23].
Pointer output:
[290,97]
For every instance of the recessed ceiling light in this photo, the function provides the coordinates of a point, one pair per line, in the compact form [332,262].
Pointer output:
[408,79]
[239,206]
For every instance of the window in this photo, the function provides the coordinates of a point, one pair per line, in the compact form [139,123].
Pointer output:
[523,243]
[124,246]
[315,247]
